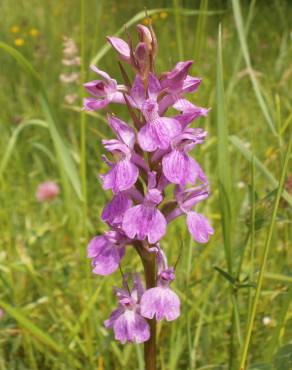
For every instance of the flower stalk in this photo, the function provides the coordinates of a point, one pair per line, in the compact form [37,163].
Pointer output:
[150,346]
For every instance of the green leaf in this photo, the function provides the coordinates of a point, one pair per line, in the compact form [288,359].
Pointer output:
[226,275]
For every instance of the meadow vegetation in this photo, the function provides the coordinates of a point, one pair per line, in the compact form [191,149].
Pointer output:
[236,290]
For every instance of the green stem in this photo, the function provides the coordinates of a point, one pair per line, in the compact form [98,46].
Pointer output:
[264,261]
[149,264]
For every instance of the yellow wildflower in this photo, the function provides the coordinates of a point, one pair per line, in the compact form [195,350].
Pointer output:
[34,32]
[14,29]
[146,21]
[163,15]
[19,41]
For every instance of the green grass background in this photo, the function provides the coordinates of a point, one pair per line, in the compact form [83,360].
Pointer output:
[53,306]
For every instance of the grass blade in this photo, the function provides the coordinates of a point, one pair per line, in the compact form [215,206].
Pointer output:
[245,52]
[264,259]
[13,140]
[31,327]
[224,172]
[200,29]
[178,28]
[249,156]
[66,163]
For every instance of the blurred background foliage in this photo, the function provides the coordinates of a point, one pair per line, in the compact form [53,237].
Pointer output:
[52,307]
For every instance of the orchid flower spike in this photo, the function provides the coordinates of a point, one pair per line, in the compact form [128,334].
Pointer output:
[152,179]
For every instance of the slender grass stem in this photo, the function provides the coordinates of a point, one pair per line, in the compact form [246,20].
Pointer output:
[82,113]
[178,28]
[264,260]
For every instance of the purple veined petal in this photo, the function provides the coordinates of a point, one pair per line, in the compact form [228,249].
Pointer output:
[186,118]
[154,87]
[184,106]
[199,227]
[114,211]
[105,253]
[96,245]
[96,88]
[108,260]
[166,276]
[142,56]
[174,79]
[138,92]
[176,167]
[149,110]
[143,221]
[157,227]
[122,176]
[144,34]
[192,197]
[90,104]
[121,47]
[101,73]
[160,302]
[196,172]
[113,317]
[138,287]
[191,84]
[145,138]
[131,327]
[153,197]
[158,134]
[113,145]
[166,102]
[151,180]
[118,97]
[171,126]
[139,161]
[124,132]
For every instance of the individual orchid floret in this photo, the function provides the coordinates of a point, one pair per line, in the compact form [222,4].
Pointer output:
[126,321]
[124,173]
[161,302]
[104,91]
[178,167]
[198,225]
[174,80]
[146,220]
[158,131]
[113,212]
[106,252]
[177,83]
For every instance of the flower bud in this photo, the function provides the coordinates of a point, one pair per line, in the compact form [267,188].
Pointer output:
[147,36]
[142,59]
